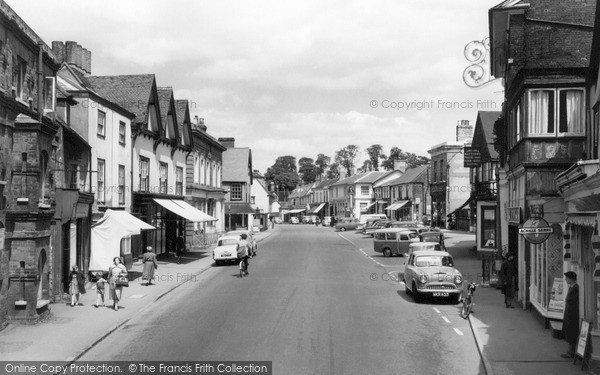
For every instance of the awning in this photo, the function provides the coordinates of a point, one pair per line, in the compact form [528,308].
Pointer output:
[397,205]
[317,209]
[368,206]
[467,202]
[582,220]
[239,209]
[185,210]
[106,235]
[296,210]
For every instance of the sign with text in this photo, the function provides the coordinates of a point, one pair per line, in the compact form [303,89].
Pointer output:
[513,215]
[536,230]
[472,157]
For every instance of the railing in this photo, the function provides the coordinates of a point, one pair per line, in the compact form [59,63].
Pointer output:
[205,239]
[486,189]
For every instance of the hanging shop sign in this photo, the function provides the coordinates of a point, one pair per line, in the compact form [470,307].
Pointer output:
[536,230]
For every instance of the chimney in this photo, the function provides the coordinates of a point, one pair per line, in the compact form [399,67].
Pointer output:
[73,54]
[400,165]
[227,142]
[464,131]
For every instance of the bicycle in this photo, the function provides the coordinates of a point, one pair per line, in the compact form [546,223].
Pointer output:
[467,302]
[243,267]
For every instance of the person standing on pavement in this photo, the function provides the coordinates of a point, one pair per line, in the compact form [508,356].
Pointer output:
[179,247]
[100,287]
[76,285]
[149,261]
[116,291]
[571,315]
[508,276]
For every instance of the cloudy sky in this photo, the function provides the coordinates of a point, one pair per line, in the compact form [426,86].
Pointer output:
[292,78]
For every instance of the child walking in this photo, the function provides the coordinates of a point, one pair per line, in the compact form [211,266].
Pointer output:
[100,286]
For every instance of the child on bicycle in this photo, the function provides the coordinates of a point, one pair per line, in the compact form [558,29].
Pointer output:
[243,251]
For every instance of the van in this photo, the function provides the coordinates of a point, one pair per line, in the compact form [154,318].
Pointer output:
[363,218]
[393,241]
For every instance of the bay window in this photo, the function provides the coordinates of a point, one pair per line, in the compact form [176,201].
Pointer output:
[549,106]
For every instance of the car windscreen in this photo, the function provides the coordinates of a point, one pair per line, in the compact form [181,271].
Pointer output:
[433,261]
[226,242]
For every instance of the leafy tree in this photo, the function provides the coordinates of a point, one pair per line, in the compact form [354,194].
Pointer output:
[283,173]
[333,172]
[346,157]
[412,160]
[366,167]
[321,164]
[307,170]
[375,153]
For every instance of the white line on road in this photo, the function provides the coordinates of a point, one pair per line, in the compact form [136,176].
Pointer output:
[436,310]
[445,319]
[458,331]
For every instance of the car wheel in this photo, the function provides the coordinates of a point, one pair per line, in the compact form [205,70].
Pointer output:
[217,263]
[415,293]
[343,229]
[387,252]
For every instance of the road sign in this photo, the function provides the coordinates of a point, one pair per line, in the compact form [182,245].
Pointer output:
[536,230]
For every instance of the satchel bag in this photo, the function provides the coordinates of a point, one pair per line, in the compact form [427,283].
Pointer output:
[122,281]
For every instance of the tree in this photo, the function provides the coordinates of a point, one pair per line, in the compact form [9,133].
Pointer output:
[366,167]
[412,160]
[333,172]
[283,174]
[346,157]
[321,164]
[307,170]
[375,153]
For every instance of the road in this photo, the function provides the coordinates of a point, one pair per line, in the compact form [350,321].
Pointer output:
[315,302]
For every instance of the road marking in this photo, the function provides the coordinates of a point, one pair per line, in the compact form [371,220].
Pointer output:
[445,319]
[458,332]
[436,310]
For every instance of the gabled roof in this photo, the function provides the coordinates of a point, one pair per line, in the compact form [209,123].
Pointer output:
[301,191]
[132,92]
[237,164]
[184,126]
[325,183]
[367,177]
[166,103]
[411,175]
[483,133]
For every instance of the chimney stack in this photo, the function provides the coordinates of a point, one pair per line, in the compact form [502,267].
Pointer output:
[73,54]
[227,142]
[464,131]
[400,165]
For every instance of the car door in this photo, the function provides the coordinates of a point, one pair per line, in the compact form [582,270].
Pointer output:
[403,242]
[408,272]
[391,239]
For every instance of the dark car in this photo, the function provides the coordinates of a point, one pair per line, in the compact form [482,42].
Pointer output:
[370,228]
[346,224]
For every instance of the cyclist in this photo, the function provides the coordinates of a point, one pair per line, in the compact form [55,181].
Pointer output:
[243,251]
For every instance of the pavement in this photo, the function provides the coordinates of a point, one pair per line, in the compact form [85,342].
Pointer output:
[510,341]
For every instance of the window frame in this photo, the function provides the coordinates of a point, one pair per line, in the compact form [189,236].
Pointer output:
[121,182]
[235,193]
[122,133]
[555,112]
[144,181]
[163,177]
[179,180]
[101,180]
[101,127]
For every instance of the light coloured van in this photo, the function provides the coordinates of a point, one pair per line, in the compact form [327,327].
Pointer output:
[363,218]
[393,241]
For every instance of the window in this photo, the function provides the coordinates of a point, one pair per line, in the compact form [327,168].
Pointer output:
[364,190]
[252,200]
[73,176]
[101,123]
[122,133]
[543,112]
[435,171]
[390,236]
[179,181]
[144,174]
[488,227]
[595,134]
[101,178]
[163,181]
[49,93]
[19,76]
[236,192]
[121,184]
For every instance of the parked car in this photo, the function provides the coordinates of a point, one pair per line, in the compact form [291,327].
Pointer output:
[294,220]
[326,221]
[371,227]
[278,220]
[433,236]
[423,246]
[310,219]
[226,250]
[432,273]
[250,238]
[393,241]
[364,219]
[346,224]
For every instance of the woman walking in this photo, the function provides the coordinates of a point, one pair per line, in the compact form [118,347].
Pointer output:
[149,261]
[116,270]
[76,285]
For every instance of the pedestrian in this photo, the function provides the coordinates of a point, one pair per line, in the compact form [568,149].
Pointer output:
[76,285]
[114,272]
[571,315]
[179,247]
[149,261]
[100,287]
[508,277]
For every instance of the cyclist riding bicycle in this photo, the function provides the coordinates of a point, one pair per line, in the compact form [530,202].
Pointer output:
[243,251]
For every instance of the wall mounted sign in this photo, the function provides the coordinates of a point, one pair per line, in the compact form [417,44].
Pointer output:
[536,230]
[472,157]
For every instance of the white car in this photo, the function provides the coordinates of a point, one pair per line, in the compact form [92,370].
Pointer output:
[294,220]
[249,238]
[226,250]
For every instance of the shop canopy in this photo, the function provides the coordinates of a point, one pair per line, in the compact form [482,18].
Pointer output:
[397,205]
[296,210]
[184,210]
[368,206]
[316,209]
[106,237]
[239,209]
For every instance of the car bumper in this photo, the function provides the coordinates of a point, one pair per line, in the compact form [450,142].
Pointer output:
[439,291]
[226,257]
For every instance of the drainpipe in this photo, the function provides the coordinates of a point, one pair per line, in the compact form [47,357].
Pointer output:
[40,83]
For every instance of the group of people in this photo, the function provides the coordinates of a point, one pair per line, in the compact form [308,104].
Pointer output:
[570,328]
[115,272]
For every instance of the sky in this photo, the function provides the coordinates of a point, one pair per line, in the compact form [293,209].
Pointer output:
[293,78]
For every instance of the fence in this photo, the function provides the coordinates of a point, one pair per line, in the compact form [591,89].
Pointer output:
[204,240]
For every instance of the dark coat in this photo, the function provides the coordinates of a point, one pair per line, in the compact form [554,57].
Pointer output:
[80,281]
[571,317]
[508,275]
